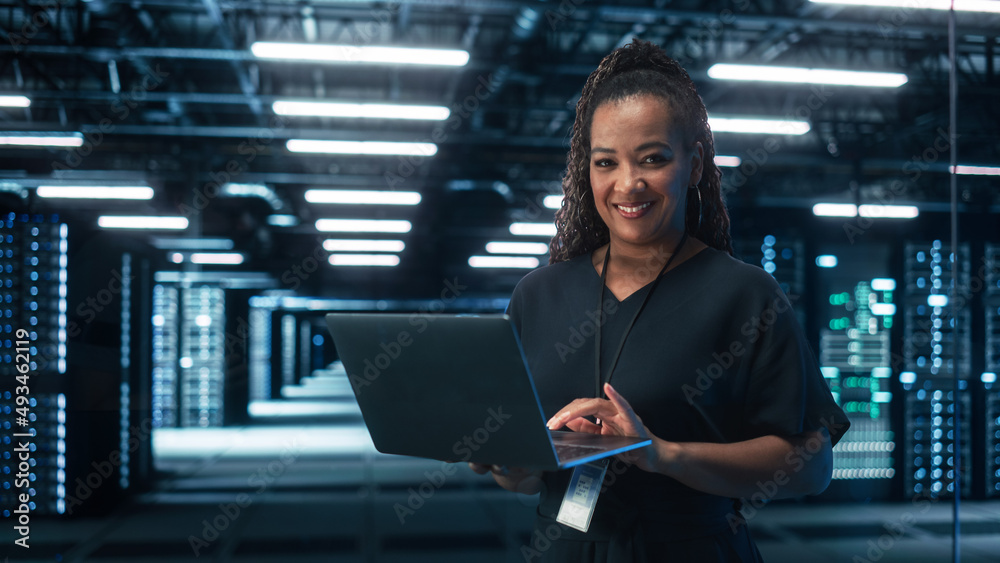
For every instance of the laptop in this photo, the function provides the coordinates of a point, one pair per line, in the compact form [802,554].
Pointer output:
[455,388]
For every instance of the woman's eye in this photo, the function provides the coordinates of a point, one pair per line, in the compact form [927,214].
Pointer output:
[602,163]
[654,158]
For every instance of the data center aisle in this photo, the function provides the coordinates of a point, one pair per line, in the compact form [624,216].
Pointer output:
[295,494]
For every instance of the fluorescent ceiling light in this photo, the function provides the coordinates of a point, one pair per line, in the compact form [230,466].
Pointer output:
[533,229]
[374,197]
[216,258]
[889,211]
[192,243]
[798,75]
[764,126]
[883,284]
[826,261]
[359,245]
[371,111]
[361,147]
[727,161]
[364,260]
[835,210]
[14,101]
[363,226]
[95,192]
[362,54]
[141,222]
[553,201]
[960,5]
[33,139]
[503,262]
[977,170]
[517,247]
[282,220]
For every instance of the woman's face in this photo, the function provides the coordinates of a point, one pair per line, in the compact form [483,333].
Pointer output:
[640,170]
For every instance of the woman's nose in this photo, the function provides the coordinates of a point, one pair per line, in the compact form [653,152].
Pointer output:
[632,181]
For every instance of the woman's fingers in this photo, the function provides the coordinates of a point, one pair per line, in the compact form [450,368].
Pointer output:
[624,409]
[579,408]
[479,468]
[583,425]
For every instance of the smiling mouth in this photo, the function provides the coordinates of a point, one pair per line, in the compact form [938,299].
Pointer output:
[634,209]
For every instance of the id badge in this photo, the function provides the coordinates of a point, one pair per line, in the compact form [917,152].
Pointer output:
[581,495]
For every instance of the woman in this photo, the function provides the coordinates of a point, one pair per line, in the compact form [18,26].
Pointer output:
[704,352]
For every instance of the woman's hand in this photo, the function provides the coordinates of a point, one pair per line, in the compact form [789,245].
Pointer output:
[513,479]
[615,417]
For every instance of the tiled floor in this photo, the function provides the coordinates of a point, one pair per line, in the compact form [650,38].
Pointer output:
[328,497]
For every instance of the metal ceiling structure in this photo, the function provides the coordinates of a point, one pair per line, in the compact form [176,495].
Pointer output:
[168,92]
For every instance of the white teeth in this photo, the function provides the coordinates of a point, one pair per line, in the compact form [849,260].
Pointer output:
[634,209]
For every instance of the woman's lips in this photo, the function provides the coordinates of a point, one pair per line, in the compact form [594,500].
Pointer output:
[633,210]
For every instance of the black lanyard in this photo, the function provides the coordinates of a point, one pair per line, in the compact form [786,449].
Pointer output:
[600,308]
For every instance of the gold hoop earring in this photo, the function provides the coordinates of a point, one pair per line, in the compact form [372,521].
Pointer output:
[697,191]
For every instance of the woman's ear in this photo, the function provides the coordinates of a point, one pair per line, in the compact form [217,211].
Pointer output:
[697,163]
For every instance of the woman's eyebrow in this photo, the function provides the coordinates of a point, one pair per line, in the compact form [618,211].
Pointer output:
[640,148]
[651,145]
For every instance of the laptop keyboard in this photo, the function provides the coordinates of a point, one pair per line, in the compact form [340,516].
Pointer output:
[567,452]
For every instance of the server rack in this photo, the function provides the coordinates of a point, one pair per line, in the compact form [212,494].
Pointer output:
[855,308]
[991,430]
[76,296]
[931,341]
[33,257]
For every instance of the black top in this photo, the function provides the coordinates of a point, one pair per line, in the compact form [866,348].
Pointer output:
[717,355]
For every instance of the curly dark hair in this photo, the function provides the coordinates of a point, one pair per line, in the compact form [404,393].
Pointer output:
[639,68]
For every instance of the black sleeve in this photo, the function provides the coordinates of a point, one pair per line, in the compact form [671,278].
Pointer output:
[786,393]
